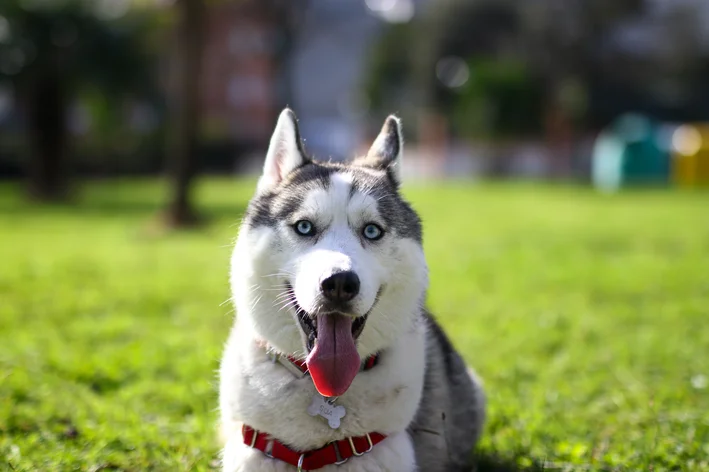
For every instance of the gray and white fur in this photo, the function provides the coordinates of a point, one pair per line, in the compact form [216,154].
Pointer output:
[420,394]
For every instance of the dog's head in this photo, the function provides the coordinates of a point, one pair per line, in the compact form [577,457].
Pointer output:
[329,262]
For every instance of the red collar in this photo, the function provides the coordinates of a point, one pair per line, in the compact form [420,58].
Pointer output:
[335,452]
[298,366]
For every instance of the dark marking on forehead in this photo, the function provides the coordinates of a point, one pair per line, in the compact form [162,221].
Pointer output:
[269,208]
[396,212]
[296,186]
[353,190]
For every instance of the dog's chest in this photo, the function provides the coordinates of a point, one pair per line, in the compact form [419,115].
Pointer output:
[273,399]
[270,398]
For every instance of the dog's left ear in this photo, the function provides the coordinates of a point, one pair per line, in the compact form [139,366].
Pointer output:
[386,151]
[285,152]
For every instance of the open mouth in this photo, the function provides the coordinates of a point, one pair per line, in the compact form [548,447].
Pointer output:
[333,360]
[309,323]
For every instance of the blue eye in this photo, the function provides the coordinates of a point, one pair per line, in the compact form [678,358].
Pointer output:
[304,228]
[372,232]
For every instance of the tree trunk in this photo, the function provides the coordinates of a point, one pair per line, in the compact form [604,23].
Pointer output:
[45,101]
[183,147]
[290,18]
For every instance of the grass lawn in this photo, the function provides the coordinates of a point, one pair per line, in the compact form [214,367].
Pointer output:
[586,315]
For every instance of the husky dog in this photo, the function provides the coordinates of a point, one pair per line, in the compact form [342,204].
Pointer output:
[333,364]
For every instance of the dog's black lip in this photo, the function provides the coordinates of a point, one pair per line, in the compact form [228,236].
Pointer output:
[309,325]
[358,325]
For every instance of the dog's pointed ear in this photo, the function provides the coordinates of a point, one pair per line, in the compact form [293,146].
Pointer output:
[285,152]
[387,149]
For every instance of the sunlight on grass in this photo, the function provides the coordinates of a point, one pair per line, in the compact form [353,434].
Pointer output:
[586,316]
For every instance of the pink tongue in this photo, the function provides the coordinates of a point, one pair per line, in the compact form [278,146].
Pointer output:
[334,361]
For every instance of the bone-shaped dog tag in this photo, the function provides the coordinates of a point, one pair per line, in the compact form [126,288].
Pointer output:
[326,409]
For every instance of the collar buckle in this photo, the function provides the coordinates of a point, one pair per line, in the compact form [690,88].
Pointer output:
[354,449]
[340,460]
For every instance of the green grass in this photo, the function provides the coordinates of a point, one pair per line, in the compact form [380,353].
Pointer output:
[586,315]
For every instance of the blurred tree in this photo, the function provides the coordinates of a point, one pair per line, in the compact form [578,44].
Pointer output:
[553,42]
[500,99]
[51,48]
[184,127]
[390,66]
[461,29]
[186,114]
[289,15]
[564,42]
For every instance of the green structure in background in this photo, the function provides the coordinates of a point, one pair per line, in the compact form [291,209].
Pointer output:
[632,150]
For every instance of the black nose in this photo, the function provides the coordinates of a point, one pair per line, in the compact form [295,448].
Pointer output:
[340,287]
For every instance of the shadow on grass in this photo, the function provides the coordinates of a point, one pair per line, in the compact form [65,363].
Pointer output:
[492,463]
[121,199]
[118,208]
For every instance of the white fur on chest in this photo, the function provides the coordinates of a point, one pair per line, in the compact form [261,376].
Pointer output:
[268,397]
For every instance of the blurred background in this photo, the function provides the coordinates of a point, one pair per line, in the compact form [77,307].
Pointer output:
[608,92]
[550,147]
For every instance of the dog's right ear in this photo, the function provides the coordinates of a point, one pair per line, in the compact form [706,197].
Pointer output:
[285,152]
[386,151]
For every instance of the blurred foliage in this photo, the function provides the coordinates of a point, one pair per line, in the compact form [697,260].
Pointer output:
[500,98]
[123,135]
[68,57]
[80,40]
[544,58]
[390,66]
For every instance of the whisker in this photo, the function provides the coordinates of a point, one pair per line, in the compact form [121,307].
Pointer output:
[285,297]
[258,299]
[275,288]
[289,304]
[228,300]
[284,301]
[282,273]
